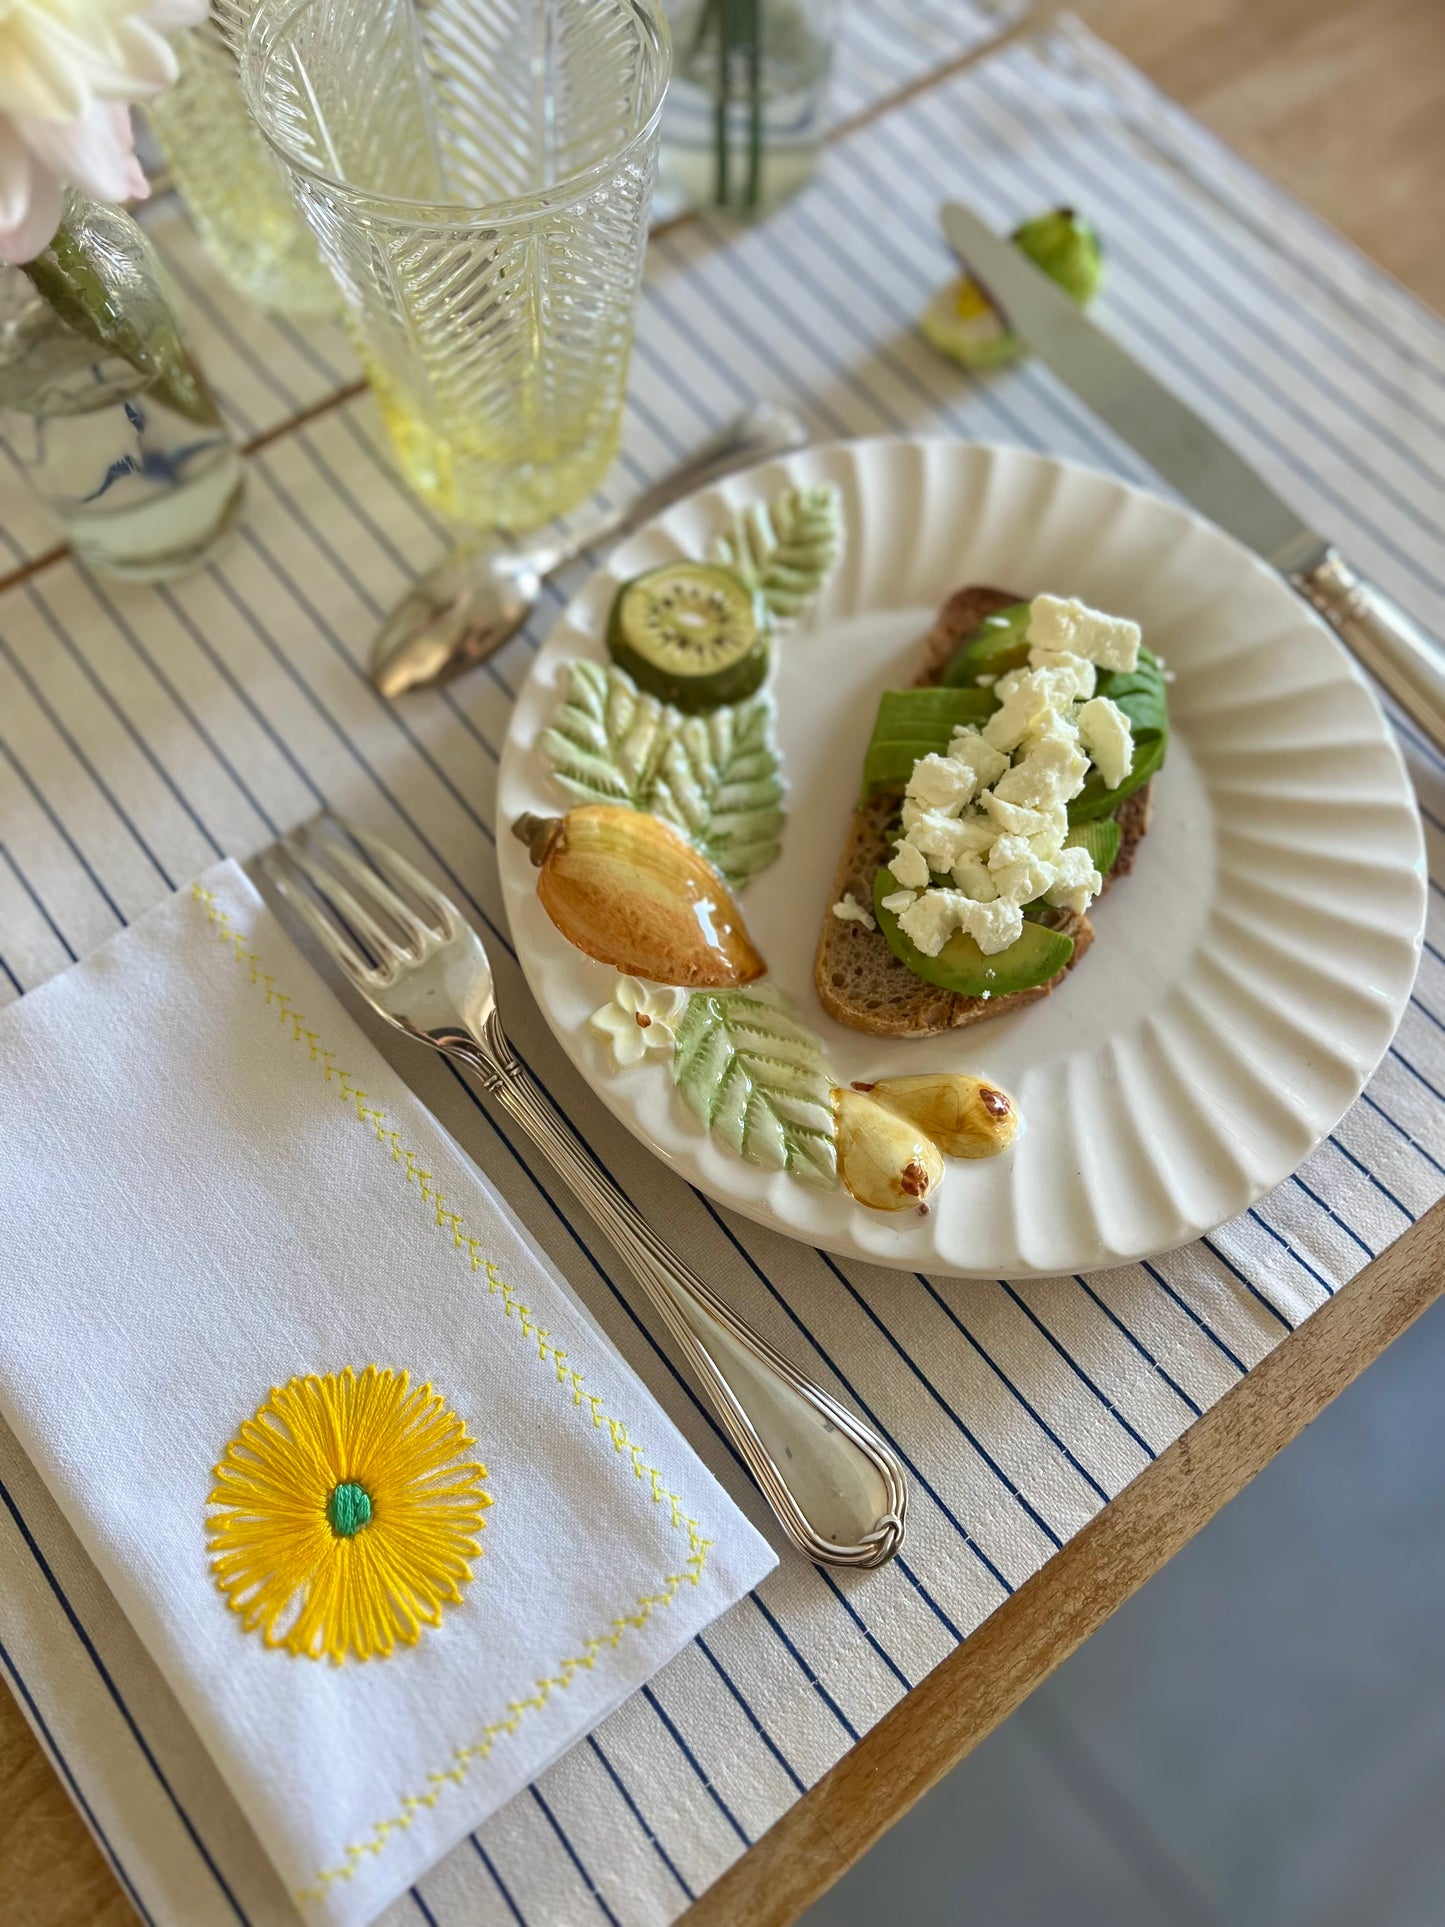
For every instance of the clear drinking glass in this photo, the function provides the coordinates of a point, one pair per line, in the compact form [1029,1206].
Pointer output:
[236,194]
[478,174]
[103,409]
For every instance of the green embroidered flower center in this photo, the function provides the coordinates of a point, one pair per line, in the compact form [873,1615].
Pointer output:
[348,1509]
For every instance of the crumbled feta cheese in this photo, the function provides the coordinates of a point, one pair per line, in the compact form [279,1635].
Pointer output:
[1110,641]
[976,832]
[1076,882]
[1060,682]
[940,838]
[1014,819]
[909,866]
[1106,733]
[986,762]
[932,919]
[1007,684]
[1052,771]
[993,926]
[972,876]
[849,910]
[985,681]
[1018,871]
[939,783]
[898,901]
[1026,704]
[1076,673]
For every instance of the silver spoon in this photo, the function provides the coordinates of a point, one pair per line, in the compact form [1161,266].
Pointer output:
[478,597]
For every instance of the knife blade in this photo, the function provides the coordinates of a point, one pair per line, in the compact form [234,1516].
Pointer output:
[1198,462]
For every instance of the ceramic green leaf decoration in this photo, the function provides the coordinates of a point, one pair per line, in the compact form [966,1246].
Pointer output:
[758,1080]
[608,740]
[719,781]
[786,548]
[717,776]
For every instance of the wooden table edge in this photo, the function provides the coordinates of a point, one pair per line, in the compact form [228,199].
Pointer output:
[983,1680]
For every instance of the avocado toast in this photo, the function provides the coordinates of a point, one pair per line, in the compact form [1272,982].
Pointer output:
[861,976]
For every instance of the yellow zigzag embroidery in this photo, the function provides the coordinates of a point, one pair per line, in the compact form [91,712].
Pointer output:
[548,1354]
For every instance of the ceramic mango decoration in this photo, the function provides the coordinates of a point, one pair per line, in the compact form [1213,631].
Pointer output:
[631,891]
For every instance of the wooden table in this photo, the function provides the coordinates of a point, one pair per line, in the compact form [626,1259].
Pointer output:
[1344,102]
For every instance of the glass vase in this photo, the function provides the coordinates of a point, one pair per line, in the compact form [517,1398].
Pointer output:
[102,407]
[748,106]
[479,175]
[235,192]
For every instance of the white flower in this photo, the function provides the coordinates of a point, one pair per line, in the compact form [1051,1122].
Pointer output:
[641,1017]
[69,70]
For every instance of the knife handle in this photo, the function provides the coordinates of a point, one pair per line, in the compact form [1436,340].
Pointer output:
[1394,648]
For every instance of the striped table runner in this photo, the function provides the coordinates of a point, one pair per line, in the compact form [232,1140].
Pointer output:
[145,732]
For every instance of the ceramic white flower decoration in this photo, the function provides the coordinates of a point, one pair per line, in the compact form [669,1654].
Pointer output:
[69,70]
[640,1018]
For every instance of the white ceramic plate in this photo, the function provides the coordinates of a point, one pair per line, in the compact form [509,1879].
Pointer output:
[1244,981]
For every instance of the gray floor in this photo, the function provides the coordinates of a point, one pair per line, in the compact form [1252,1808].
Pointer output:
[1257,1739]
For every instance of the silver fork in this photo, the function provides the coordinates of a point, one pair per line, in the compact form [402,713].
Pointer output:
[838,1490]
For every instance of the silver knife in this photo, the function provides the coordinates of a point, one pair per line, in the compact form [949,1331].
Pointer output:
[1192,457]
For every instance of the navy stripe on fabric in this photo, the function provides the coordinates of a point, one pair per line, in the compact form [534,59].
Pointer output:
[1384,1189]
[183,708]
[1002,1376]
[1348,1229]
[956,1419]
[27,1699]
[1300,1260]
[43,803]
[1138,1344]
[45,708]
[575,1857]
[638,1815]
[1254,1291]
[1076,1368]
[497,1881]
[687,1753]
[762,1732]
[106,1678]
[29,888]
[1189,1312]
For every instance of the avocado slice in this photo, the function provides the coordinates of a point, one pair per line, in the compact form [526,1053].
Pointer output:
[1101,839]
[917,722]
[999,642]
[1033,958]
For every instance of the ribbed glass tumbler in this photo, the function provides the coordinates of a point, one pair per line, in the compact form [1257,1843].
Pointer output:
[478,174]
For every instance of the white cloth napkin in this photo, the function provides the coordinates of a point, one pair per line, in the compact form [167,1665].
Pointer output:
[212,1185]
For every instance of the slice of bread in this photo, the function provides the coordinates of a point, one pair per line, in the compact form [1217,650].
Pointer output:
[859,980]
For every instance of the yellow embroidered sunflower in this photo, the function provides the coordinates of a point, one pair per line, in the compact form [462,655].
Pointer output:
[346,1514]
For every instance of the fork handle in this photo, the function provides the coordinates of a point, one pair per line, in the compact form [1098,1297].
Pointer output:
[837,1490]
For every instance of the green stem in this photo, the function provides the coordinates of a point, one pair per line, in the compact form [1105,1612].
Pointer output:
[724,100]
[67,280]
[755,102]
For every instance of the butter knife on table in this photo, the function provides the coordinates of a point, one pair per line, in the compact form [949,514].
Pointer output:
[1188,453]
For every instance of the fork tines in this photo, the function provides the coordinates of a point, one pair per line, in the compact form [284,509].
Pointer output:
[369,907]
